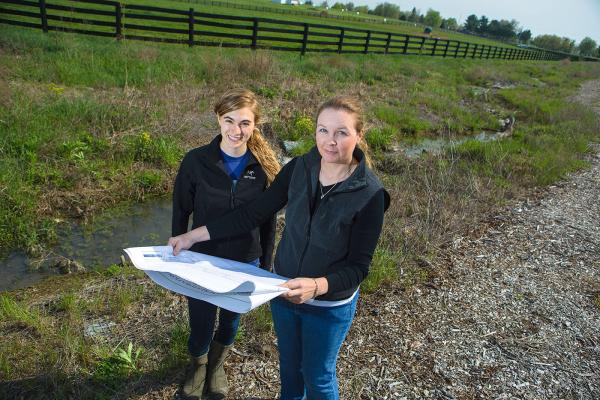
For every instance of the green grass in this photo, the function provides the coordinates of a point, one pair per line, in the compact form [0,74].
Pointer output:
[383,270]
[404,28]
[106,117]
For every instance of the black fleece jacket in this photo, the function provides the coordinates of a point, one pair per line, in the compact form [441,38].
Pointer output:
[204,188]
[335,239]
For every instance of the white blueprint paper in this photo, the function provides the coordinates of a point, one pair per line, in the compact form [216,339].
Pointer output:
[235,286]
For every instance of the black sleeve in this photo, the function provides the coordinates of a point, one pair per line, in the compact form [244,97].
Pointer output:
[248,217]
[267,242]
[183,199]
[365,234]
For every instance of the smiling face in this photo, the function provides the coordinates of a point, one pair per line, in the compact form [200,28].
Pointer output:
[336,135]
[237,127]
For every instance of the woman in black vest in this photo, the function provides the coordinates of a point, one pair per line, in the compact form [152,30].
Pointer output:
[233,170]
[334,216]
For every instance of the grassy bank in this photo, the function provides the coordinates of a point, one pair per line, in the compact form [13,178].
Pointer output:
[87,124]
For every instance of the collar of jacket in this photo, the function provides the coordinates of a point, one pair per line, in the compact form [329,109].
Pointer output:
[214,155]
[357,180]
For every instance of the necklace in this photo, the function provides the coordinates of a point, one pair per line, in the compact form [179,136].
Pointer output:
[327,192]
[335,184]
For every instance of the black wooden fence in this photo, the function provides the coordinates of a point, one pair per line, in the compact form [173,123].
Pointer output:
[127,21]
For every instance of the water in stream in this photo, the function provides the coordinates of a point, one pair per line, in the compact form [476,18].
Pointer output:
[99,243]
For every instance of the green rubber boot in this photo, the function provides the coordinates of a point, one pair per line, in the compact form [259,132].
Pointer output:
[195,378]
[216,377]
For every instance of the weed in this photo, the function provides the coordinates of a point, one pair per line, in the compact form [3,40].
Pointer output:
[384,269]
[380,138]
[11,311]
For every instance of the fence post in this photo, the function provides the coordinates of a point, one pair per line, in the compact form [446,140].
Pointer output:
[341,42]
[191,27]
[304,39]
[434,47]
[367,42]
[387,43]
[406,44]
[466,50]
[255,33]
[118,21]
[446,48]
[475,50]
[458,43]
[44,16]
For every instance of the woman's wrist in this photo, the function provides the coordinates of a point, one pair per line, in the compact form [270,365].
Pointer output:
[199,234]
[321,286]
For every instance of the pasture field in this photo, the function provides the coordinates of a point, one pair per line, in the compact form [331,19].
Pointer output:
[88,124]
[106,23]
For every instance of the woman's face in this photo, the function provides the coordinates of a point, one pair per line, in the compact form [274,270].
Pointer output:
[336,136]
[236,129]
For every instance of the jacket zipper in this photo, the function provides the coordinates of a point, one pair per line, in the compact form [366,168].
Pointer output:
[310,218]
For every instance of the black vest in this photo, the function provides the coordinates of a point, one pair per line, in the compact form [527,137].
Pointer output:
[316,245]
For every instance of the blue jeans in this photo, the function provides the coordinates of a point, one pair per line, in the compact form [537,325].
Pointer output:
[203,316]
[309,340]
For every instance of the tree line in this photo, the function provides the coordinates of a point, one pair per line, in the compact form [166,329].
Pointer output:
[507,30]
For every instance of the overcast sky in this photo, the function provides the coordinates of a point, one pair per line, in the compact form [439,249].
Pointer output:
[574,19]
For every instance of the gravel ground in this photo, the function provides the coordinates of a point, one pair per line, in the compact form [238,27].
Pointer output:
[510,312]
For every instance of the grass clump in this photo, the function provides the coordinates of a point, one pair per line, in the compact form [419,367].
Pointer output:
[14,312]
[380,138]
[383,270]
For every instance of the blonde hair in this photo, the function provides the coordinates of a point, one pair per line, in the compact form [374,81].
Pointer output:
[352,106]
[234,99]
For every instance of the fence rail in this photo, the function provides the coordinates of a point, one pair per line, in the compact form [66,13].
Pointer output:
[194,28]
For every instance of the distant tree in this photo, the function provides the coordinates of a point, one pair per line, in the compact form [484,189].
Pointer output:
[503,29]
[433,18]
[350,6]
[414,15]
[587,46]
[421,19]
[472,23]
[483,25]
[308,3]
[338,6]
[324,4]
[524,36]
[598,52]
[387,10]
[362,9]
[553,42]
[403,16]
[450,23]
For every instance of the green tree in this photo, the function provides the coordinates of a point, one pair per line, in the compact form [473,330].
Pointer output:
[414,15]
[350,6]
[587,46]
[362,9]
[553,42]
[338,6]
[472,23]
[503,29]
[524,36]
[433,18]
[450,23]
[483,24]
[387,10]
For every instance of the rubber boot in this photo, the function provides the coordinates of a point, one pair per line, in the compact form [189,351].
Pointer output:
[195,378]
[216,378]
